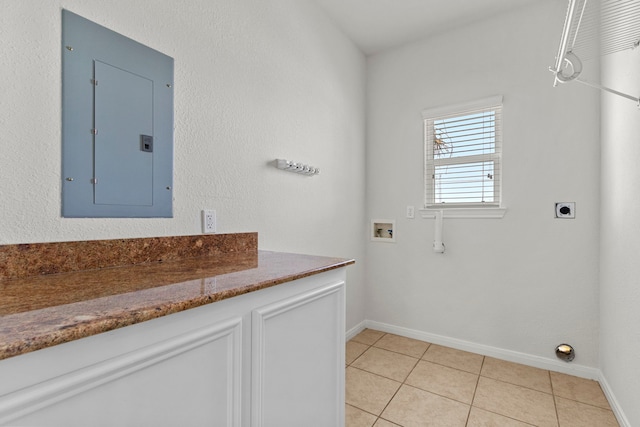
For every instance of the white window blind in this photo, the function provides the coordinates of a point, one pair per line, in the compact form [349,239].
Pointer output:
[462,155]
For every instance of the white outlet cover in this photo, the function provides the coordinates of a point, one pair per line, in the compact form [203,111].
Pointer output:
[410,212]
[566,210]
[208,221]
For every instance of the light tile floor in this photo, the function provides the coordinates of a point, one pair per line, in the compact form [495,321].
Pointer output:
[396,381]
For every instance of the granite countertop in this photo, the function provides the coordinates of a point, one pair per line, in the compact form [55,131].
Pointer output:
[44,310]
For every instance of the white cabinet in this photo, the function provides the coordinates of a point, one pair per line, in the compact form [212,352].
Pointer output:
[298,360]
[270,358]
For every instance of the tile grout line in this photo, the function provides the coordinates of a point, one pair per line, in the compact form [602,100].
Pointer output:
[403,382]
[394,352]
[360,409]
[522,387]
[553,394]
[396,392]
[405,354]
[350,365]
[360,355]
[451,367]
[475,390]
[506,416]
[518,385]
[390,351]
[582,403]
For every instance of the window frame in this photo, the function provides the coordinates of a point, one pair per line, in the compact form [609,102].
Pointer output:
[492,209]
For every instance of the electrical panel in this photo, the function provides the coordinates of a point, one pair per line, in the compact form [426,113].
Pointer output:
[117,124]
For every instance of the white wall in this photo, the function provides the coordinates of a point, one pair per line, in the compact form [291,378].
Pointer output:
[620,234]
[254,81]
[524,283]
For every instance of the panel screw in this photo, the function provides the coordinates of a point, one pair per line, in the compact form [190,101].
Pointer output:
[168,84]
[69,179]
[69,48]
[168,188]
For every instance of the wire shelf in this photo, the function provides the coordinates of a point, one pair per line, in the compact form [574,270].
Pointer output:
[595,28]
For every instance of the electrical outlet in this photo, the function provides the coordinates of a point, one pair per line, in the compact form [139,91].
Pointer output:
[566,210]
[410,212]
[210,284]
[208,221]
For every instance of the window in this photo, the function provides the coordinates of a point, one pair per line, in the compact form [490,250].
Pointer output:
[462,155]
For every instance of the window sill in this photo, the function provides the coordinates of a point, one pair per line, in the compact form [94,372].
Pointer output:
[488,213]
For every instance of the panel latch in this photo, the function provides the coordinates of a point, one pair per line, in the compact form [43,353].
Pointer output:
[146,143]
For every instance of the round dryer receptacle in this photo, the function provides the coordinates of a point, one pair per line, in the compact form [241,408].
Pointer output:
[565,352]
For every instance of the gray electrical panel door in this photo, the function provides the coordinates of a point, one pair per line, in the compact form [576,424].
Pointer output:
[117,130]
[123,113]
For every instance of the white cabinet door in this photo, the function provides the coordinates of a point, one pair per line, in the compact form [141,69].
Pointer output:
[298,360]
[193,379]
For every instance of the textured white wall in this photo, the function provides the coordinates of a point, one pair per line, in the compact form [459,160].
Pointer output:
[620,234]
[254,81]
[524,283]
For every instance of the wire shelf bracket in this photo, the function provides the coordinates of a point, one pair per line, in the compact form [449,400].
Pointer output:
[596,28]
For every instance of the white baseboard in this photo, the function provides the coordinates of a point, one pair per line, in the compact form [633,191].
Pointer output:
[356,330]
[500,353]
[613,402]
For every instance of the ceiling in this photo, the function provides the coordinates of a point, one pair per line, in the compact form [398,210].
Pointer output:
[376,25]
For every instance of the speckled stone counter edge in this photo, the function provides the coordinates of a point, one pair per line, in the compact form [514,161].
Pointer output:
[178,270]
[33,259]
[30,331]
